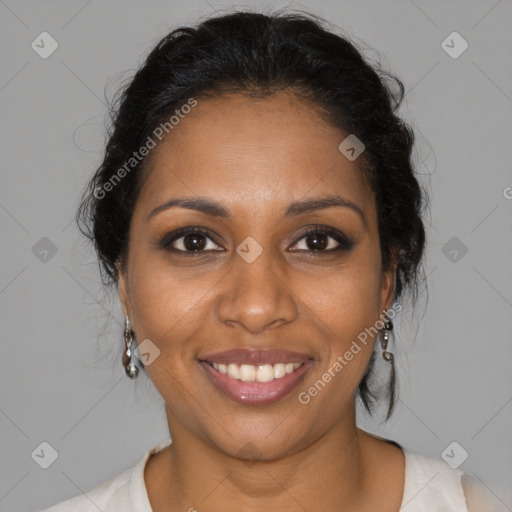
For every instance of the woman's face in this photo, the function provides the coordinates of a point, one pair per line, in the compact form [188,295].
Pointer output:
[252,279]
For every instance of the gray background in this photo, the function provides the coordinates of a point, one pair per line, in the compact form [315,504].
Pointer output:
[61,379]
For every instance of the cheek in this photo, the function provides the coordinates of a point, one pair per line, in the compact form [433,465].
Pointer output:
[348,300]
[169,312]
[167,307]
[346,308]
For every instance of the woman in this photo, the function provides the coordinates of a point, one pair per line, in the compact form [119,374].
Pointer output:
[258,211]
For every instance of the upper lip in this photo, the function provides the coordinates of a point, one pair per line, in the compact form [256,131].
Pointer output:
[255,357]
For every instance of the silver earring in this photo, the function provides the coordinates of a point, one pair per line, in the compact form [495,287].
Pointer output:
[129,366]
[385,337]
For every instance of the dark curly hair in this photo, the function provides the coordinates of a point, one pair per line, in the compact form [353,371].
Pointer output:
[258,54]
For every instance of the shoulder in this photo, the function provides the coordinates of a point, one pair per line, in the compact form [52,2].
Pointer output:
[432,482]
[125,492]
[480,498]
[115,490]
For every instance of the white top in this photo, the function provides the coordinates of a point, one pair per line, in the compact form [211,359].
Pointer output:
[431,485]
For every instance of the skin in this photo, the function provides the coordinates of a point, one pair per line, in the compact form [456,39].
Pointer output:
[255,157]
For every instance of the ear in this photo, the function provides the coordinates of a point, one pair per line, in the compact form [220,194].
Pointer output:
[124,289]
[388,282]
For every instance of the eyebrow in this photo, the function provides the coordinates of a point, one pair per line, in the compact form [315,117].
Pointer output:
[215,209]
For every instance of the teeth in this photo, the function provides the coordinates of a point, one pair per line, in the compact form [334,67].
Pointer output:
[261,373]
[279,370]
[248,373]
[234,371]
[265,373]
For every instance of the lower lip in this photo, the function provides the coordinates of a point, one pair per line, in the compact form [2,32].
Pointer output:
[254,393]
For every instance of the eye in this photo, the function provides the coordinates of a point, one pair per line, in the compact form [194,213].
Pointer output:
[189,240]
[193,240]
[321,239]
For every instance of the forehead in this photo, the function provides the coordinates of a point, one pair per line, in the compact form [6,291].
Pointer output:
[252,152]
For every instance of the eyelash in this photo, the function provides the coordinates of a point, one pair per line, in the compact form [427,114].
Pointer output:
[345,243]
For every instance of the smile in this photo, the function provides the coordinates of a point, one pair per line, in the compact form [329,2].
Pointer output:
[255,377]
[260,373]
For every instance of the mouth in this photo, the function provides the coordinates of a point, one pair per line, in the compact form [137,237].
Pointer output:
[251,373]
[254,377]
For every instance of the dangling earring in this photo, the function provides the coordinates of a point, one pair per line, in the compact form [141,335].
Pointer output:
[129,366]
[385,337]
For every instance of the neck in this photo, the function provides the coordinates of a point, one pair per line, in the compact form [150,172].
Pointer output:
[328,474]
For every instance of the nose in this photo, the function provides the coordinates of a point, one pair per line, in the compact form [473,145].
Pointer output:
[257,296]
